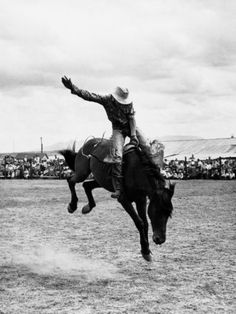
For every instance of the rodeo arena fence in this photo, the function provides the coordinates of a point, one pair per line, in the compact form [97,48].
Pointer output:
[212,159]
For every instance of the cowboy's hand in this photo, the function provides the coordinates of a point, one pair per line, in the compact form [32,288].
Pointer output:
[134,140]
[67,83]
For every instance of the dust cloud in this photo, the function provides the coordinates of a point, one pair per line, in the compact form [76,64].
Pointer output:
[49,260]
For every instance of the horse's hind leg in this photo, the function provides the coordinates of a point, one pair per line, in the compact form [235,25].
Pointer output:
[88,187]
[72,206]
[82,170]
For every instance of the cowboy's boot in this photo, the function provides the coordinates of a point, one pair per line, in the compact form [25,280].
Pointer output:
[117,180]
[117,184]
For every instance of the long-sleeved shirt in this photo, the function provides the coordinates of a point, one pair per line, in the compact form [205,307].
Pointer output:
[119,114]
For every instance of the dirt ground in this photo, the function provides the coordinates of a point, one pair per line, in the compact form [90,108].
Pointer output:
[55,262]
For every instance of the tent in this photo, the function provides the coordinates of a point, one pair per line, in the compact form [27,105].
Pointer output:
[200,148]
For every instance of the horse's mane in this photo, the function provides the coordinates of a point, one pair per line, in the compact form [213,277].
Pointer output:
[151,169]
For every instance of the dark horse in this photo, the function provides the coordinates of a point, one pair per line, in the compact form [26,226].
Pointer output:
[142,181]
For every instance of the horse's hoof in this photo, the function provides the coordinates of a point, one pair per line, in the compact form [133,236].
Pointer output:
[71,209]
[147,257]
[86,209]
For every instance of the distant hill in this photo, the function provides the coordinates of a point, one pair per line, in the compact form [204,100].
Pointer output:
[68,144]
[178,138]
[179,147]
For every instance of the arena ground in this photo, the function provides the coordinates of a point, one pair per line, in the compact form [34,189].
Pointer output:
[55,262]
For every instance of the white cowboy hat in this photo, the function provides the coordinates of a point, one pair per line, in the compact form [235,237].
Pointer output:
[121,94]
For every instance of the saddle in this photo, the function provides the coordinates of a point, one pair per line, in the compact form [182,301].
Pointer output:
[102,151]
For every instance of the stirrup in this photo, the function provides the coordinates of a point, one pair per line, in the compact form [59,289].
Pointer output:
[116,194]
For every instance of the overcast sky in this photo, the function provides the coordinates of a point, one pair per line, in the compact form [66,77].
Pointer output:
[176,57]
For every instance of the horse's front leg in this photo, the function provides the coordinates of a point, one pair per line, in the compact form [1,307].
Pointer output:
[141,205]
[88,187]
[74,199]
[146,253]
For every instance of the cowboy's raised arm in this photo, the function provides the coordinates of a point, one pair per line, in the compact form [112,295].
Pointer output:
[82,93]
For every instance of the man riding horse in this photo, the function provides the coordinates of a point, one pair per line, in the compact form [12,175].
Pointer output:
[119,108]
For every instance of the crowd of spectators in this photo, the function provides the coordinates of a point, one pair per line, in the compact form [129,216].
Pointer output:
[33,168]
[56,168]
[200,169]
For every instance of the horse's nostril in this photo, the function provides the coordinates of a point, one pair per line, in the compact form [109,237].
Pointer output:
[158,240]
[155,239]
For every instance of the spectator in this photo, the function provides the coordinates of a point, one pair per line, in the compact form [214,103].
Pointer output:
[192,168]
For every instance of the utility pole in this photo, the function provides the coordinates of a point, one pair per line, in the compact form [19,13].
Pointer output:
[5,167]
[41,140]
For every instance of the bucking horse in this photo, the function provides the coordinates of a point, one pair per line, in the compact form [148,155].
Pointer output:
[143,185]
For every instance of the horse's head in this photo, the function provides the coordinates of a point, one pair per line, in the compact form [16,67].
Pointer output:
[159,211]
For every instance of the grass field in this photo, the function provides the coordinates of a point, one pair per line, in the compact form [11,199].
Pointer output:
[55,262]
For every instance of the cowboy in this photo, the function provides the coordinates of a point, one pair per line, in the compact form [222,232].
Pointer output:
[119,108]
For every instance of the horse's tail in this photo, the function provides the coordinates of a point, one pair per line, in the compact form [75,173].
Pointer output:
[69,156]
